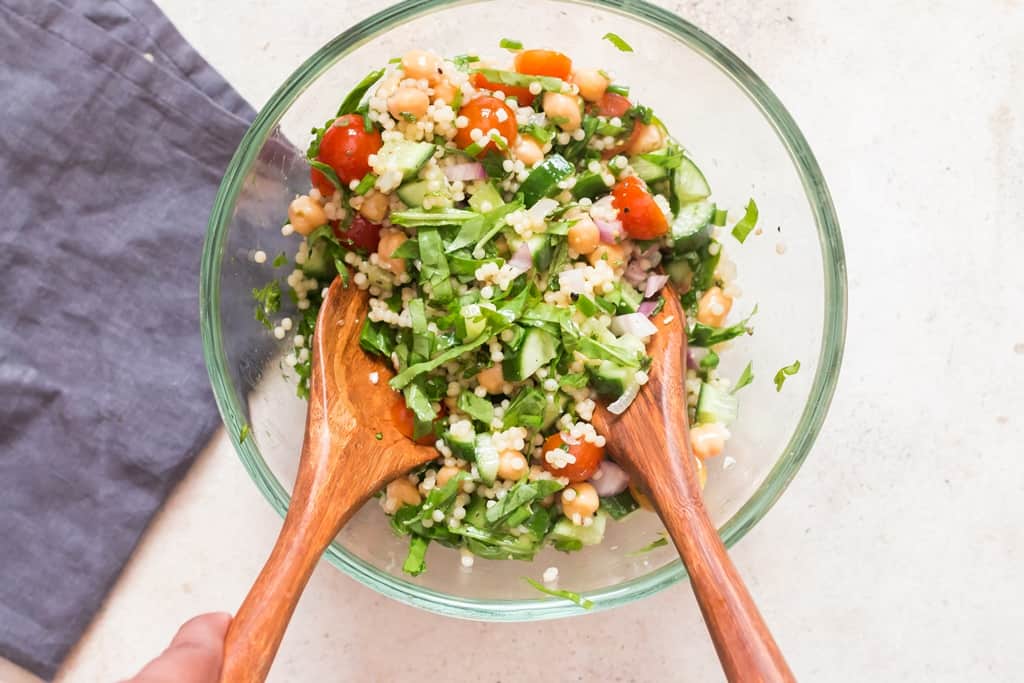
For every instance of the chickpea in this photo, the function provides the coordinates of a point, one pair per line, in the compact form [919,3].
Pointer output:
[446,473]
[584,236]
[445,92]
[511,465]
[406,101]
[646,138]
[306,215]
[591,83]
[613,254]
[374,207]
[713,307]
[528,150]
[421,64]
[491,379]
[391,239]
[565,109]
[708,440]
[583,501]
[398,493]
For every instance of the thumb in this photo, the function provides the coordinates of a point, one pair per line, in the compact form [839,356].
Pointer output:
[194,656]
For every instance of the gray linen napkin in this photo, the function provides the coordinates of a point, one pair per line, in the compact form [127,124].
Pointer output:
[109,161]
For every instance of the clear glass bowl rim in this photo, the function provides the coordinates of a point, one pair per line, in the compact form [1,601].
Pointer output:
[785,468]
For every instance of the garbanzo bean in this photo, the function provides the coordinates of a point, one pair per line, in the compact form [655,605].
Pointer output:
[584,236]
[391,239]
[580,501]
[400,492]
[306,215]
[491,379]
[511,465]
[714,307]
[708,440]
[408,101]
[591,83]
[374,207]
[564,110]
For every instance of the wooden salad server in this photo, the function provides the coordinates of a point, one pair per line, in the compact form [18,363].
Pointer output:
[650,440]
[350,451]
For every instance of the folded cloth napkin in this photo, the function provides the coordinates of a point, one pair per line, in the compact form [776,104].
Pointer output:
[113,138]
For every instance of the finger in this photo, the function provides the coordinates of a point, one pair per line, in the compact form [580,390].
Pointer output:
[194,656]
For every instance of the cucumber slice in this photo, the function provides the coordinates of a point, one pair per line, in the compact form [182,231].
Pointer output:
[413,195]
[537,349]
[689,183]
[544,178]
[629,299]
[464,447]
[610,380]
[569,535]
[715,405]
[406,156]
[648,171]
[691,228]
[553,410]
[486,456]
[317,264]
[589,185]
[540,247]
[488,194]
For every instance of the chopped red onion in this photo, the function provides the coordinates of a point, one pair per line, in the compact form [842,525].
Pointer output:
[691,360]
[471,170]
[647,307]
[654,284]
[636,324]
[610,231]
[635,273]
[610,479]
[522,259]
[624,401]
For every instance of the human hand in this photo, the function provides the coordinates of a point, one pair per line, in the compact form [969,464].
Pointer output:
[194,656]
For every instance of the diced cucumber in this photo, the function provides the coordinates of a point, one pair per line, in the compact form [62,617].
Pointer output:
[715,405]
[569,534]
[317,264]
[537,349]
[406,156]
[553,410]
[689,183]
[464,447]
[679,271]
[413,195]
[486,457]
[629,299]
[648,171]
[487,193]
[540,247]
[589,184]
[610,379]
[691,228]
[544,178]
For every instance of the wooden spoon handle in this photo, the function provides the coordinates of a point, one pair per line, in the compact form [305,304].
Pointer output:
[256,631]
[745,646]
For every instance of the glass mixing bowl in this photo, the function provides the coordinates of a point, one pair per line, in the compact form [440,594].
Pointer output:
[747,145]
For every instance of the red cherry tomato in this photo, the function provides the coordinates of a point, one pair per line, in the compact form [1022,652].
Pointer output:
[405,422]
[611,105]
[483,114]
[640,216]
[543,63]
[588,459]
[345,147]
[361,233]
[522,95]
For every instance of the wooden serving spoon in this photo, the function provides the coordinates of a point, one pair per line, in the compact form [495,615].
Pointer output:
[350,451]
[651,441]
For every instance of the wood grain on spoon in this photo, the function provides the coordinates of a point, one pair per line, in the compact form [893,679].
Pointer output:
[350,451]
[651,441]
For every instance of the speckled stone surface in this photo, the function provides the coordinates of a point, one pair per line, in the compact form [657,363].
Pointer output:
[896,553]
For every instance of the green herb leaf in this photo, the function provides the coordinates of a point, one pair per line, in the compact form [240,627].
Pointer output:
[366,184]
[747,223]
[526,409]
[279,260]
[619,505]
[415,218]
[402,379]
[659,543]
[710,361]
[567,595]
[377,338]
[351,102]
[513,45]
[704,335]
[519,495]
[619,90]
[746,377]
[783,373]
[268,302]
[539,133]
[719,218]
[618,42]
[463,62]
[548,83]
[328,173]
[415,561]
[476,407]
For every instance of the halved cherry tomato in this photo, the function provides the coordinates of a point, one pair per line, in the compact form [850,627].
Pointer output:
[483,113]
[612,104]
[345,147]
[543,63]
[361,233]
[640,216]
[405,422]
[522,95]
[588,459]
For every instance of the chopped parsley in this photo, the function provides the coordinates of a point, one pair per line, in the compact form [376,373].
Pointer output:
[746,377]
[279,260]
[660,542]
[784,372]
[555,592]
[268,302]
[618,42]
[747,223]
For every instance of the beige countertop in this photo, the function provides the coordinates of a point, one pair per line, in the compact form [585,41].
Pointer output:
[895,554]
